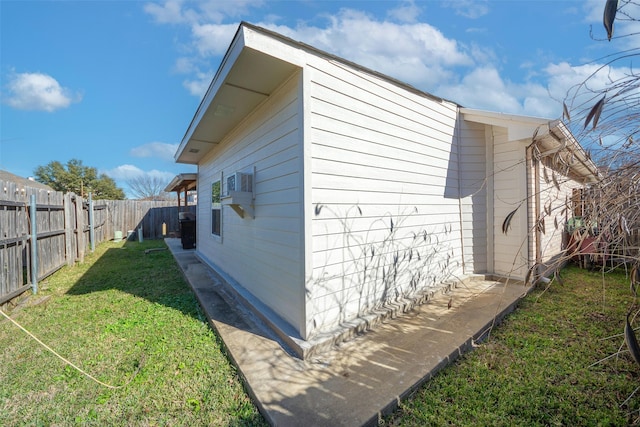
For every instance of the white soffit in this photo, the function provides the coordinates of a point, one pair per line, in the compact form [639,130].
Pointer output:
[518,127]
[246,78]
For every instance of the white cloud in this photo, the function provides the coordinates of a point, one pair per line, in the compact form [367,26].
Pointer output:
[185,65]
[476,30]
[353,34]
[482,54]
[483,88]
[198,86]
[124,172]
[416,53]
[623,26]
[160,150]
[168,13]
[407,12]
[198,81]
[216,10]
[537,101]
[582,86]
[213,39]
[471,9]
[399,45]
[563,77]
[177,12]
[39,92]
[127,172]
[593,10]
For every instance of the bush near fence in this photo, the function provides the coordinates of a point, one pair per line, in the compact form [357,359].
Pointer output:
[64,230]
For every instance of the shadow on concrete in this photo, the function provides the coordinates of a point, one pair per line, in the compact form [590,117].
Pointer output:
[220,306]
[366,378]
[358,380]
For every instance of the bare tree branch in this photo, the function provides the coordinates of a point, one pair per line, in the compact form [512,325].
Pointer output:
[148,187]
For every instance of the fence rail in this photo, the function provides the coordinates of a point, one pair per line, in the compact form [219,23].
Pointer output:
[42,230]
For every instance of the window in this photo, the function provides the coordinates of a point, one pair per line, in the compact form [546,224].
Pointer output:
[577,200]
[216,209]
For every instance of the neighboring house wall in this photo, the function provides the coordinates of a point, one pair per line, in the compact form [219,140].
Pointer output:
[264,255]
[386,211]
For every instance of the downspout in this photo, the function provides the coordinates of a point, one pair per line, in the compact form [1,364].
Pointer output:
[532,220]
[490,198]
[307,314]
[536,184]
[458,118]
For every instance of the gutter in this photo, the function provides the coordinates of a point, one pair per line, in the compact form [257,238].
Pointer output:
[568,141]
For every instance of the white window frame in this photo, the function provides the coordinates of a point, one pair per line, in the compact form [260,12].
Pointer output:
[216,205]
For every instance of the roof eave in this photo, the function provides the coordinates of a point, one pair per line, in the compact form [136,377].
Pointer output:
[553,134]
[181,182]
[586,167]
[236,90]
[232,52]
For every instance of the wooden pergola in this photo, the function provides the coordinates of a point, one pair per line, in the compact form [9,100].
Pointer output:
[183,182]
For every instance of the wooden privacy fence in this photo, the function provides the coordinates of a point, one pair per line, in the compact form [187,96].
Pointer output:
[43,230]
[129,215]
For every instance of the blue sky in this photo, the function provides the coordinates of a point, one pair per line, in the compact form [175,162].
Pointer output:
[116,83]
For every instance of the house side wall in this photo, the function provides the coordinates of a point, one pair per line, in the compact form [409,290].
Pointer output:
[510,192]
[263,255]
[386,217]
[555,207]
[473,195]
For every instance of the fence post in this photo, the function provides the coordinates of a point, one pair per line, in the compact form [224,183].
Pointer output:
[68,229]
[92,235]
[80,228]
[34,245]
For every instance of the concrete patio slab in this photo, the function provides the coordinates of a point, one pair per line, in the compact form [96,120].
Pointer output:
[362,379]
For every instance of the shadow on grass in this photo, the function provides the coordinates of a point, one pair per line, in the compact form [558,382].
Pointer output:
[134,269]
[142,303]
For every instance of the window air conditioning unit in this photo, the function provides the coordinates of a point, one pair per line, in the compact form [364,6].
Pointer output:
[240,194]
[240,182]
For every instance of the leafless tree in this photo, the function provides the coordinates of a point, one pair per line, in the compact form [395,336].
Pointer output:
[603,112]
[148,187]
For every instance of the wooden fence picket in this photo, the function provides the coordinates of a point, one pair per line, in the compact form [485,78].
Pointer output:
[63,230]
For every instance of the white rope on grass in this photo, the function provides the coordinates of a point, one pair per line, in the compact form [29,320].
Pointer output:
[68,362]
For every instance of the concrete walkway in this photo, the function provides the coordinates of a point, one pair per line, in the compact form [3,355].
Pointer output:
[364,378]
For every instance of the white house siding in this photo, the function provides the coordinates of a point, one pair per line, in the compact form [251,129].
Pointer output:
[264,254]
[386,218]
[473,194]
[510,192]
[555,208]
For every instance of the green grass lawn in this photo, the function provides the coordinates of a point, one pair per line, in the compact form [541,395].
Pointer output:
[127,318]
[536,369]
